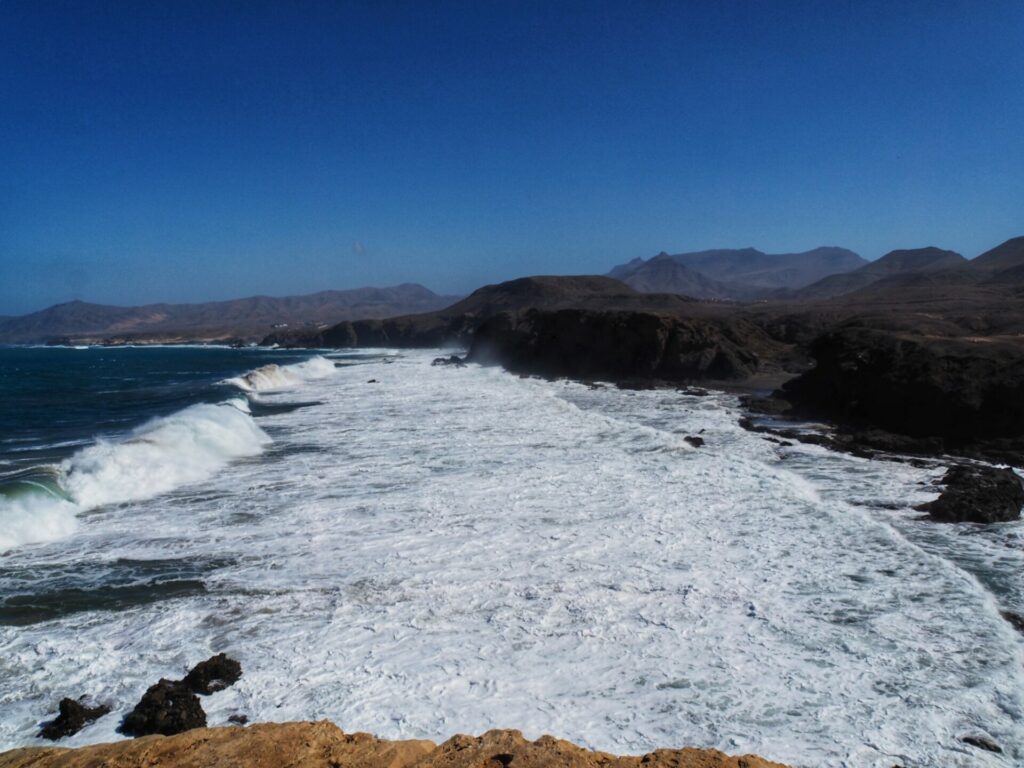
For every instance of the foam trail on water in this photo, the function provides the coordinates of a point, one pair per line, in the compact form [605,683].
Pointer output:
[165,453]
[273,377]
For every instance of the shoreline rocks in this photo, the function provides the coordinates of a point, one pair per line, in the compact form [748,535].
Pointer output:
[167,708]
[171,706]
[73,716]
[959,390]
[978,494]
[324,744]
[215,674]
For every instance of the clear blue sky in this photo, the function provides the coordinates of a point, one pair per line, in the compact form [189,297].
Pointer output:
[200,150]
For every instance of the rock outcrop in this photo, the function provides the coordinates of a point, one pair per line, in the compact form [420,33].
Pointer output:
[166,708]
[73,716]
[960,389]
[324,745]
[978,494]
[619,345]
[215,674]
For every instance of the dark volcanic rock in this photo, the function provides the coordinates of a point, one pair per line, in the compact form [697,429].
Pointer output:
[73,717]
[958,389]
[454,360]
[982,743]
[696,442]
[978,494]
[880,440]
[214,674]
[618,345]
[1015,620]
[167,708]
[772,406]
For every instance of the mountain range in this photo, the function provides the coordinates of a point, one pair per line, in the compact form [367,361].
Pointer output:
[740,274]
[239,319]
[826,280]
[918,260]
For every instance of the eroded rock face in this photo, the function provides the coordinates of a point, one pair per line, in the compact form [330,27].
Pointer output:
[167,708]
[324,744]
[958,389]
[73,716]
[978,494]
[618,345]
[215,674]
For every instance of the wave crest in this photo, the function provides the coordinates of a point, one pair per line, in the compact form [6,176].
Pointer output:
[274,377]
[165,453]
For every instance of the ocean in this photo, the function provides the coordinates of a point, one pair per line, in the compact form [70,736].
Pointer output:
[419,551]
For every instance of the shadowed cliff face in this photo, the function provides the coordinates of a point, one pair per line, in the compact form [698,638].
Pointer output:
[961,389]
[618,345]
[324,745]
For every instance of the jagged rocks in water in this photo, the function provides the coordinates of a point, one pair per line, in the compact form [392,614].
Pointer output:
[167,708]
[696,442]
[978,494]
[1015,620]
[238,719]
[454,360]
[214,674]
[73,717]
[981,742]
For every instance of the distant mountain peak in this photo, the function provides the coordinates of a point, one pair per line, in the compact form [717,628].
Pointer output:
[905,261]
[1004,256]
[736,273]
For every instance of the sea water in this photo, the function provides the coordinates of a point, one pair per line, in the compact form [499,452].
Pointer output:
[420,551]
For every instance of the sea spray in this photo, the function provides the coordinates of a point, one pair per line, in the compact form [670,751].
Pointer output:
[160,455]
[454,549]
[165,453]
[273,377]
[35,518]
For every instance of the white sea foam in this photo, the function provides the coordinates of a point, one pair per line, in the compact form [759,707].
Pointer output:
[32,519]
[163,454]
[450,550]
[159,456]
[274,377]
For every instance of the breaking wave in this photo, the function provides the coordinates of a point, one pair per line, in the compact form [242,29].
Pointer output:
[163,454]
[273,377]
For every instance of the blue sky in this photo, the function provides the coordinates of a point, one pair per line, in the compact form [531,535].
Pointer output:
[186,151]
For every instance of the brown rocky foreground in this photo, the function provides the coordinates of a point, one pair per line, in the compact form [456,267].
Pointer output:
[324,744]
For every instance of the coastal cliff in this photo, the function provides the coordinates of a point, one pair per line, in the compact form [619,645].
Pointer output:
[621,345]
[323,744]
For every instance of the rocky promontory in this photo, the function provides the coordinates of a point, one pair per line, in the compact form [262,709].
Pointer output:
[324,745]
[966,392]
[616,345]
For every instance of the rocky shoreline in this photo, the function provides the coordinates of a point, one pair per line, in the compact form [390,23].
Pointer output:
[324,744]
[170,729]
